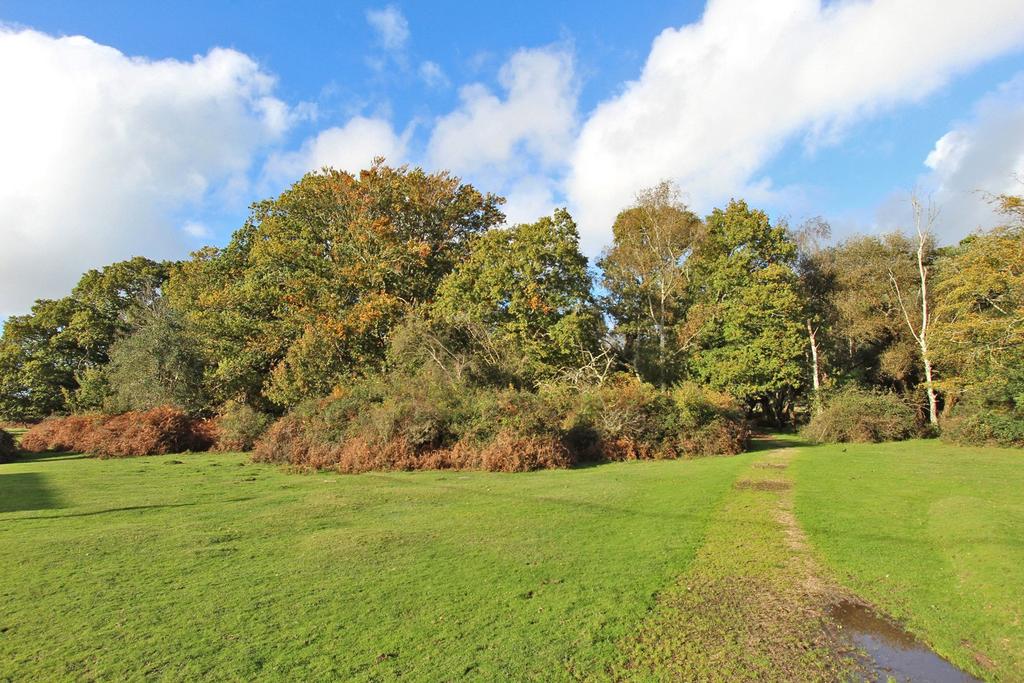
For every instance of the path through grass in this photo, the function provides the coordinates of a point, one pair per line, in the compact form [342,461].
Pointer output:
[177,567]
[752,606]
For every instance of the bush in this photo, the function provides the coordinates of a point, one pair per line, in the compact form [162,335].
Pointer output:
[8,447]
[710,422]
[147,432]
[239,426]
[984,427]
[428,422]
[69,434]
[862,416]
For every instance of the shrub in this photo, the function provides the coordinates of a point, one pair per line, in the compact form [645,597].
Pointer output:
[68,434]
[428,422]
[984,427]
[238,426]
[862,416]
[710,422]
[8,447]
[148,432]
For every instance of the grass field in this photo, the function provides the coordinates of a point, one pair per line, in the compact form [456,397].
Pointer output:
[932,534]
[143,568]
[180,567]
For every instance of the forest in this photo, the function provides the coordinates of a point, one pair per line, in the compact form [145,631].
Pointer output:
[391,320]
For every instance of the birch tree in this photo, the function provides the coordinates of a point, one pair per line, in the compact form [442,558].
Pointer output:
[920,329]
[647,276]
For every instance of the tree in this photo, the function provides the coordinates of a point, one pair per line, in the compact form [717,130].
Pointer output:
[308,290]
[529,287]
[873,344]
[978,329]
[817,287]
[647,276]
[154,365]
[924,219]
[43,354]
[748,313]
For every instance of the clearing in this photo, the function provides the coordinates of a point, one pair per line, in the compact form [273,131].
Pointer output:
[186,566]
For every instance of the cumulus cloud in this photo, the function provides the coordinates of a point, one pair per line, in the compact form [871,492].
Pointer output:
[518,142]
[984,154]
[718,98]
[102,150]
[351,147]
[391,27]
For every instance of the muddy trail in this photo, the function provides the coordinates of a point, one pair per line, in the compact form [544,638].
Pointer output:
[755,605]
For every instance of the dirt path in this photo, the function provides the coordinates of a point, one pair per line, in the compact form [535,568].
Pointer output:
[756,605]
[753,604]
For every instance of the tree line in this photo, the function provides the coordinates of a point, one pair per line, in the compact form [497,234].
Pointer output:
[345,277]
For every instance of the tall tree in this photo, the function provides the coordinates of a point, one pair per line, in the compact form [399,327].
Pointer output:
[529,286]
[817,286]
[308,290]
[43,354]
[748,312]
[646,273]
[979,314]
[873,344]
[918,299]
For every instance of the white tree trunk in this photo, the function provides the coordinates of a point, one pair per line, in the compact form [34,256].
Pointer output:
[812,335]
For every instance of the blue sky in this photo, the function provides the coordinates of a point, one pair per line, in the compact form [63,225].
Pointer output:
[148,128]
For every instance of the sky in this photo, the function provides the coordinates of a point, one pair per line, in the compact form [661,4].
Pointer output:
[132,128]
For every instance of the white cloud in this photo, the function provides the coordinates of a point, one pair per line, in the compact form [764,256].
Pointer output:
[719,97]
[519,143]
[433,75]
[351,147]
[100,150]
[391,26]
[984,154]
[196,229]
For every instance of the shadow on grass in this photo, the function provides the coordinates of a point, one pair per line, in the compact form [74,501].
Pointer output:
[129,508]
[27,491]
[771,442]
[24,457]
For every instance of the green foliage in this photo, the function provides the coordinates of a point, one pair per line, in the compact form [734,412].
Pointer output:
[748,317]
[877,347]
[979,315]
[646,273]
[239,426]
[427,420]
[42,354]
[862,416]
[154,365]
[308,290]
[8,446]
[528,288]
[984,427]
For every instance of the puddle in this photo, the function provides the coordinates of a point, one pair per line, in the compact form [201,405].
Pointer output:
[889,652]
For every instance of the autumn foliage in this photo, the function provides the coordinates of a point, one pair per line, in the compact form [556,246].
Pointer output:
[145,432]
[433,424]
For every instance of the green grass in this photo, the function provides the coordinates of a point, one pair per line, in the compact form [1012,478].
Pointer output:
[142,568]
[933,534]
[190,566]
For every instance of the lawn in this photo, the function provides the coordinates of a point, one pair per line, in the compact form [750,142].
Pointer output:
[177,567]
[933,534]
[189,566]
